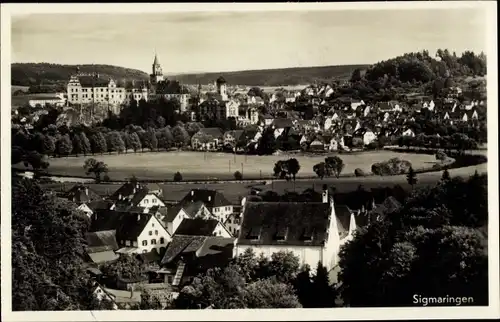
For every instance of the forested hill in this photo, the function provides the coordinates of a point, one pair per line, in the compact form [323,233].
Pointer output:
[26,74]
[275,77]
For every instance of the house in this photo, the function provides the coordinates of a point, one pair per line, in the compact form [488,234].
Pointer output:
[135,232]
[233,223]
[176,214]
[215,202]
[130,188]
[101,246]
[366,135]
[317,145]
[355,103]
[313,231]
[232,138]
[188,256]
[202,227]
[101,293]
[141,199]
[82,196]
[408,132]
[207,139]
[232,108]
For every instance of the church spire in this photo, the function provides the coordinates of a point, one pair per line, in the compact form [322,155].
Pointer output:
[156,61]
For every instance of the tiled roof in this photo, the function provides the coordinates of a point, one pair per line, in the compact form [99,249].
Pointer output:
[210,198]
[192,208]
[343,214]
[103,257]
[197,227]
[149,257]
[182,244]
[264,220]
[389,205]
[100,205]
[82,194]
[214,245]
[214,132]
[172,212]
[101,240]
[128,226]
[126,190]
[93,81]
[281,123]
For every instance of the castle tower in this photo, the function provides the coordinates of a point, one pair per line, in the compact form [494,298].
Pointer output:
[157,73]
[221,87]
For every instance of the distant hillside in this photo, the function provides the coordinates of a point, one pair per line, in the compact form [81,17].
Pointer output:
[275,77]
[26,74]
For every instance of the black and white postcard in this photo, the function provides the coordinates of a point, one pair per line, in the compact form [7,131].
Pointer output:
[338,160]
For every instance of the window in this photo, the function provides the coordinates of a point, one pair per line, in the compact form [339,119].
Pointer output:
[156,232]
[154,200]
[134,244]
[254,233]
[281,232]
[153,241]
[150,233]
[170,279]
[127,243]
[144,243]
[162,240]
[146,201]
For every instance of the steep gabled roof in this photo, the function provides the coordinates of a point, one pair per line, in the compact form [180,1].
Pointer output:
[197,227]
[192,208]
[210,198]
[99,241]
[182,244]
[93,81]
[128,226]
[262,221]
[127,190]
[82,194]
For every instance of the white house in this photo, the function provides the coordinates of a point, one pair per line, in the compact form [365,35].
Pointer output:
[135,232]
[176,214]
[213,200]
[368,137]
[85,209]
[232,108]
[313,231]
[408,132]
[143,199]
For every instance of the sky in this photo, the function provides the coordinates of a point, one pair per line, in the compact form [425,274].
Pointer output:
[218,42]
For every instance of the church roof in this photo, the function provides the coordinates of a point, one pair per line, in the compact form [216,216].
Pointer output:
[156,61]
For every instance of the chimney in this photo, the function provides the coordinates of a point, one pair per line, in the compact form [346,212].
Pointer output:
[120,196]
[192,192]
[325,194]
[133,191]
[209,198]
[86,191]
[138,217]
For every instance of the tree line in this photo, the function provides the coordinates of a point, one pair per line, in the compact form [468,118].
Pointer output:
[458,142]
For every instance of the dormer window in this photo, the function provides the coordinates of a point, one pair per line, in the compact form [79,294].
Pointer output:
[281,232]
[254,233]
[307,234]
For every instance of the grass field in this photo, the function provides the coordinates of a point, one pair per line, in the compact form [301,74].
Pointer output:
[199,165]
[234,190]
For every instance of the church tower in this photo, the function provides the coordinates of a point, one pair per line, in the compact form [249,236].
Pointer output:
[157,75]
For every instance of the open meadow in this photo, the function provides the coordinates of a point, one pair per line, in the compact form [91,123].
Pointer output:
[198,165]
[234,190]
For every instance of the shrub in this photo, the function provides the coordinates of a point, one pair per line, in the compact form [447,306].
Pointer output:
[106,178]
[441,156]
[238,175]
[177,176]
[391,167]
[359,172]
[372,146]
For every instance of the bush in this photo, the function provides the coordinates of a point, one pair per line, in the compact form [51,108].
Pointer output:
[106,178]
[441,156]
[238,175]
[391,167]
[359,172]
[177,176]
[372,146]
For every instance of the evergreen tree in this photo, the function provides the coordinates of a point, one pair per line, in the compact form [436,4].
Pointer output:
[322,291]
[64,145]
[411,177]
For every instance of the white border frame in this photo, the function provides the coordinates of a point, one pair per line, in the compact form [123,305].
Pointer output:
[491,311]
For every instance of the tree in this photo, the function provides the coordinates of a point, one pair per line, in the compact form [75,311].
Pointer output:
[126,140]
[49,145]
[37,141]
[293,167]
[238,175]
[98,143]
[324,294]
[114,142]
[77,144]
[36,161]
[441,156]
[446,175]
[389,261]
[165,138]
[358,172]
[356,75]
[177,177]
[334,165]
[160,121]
[267,143]
[320,170]
[126,267]
[96,167]
[411,177]
[47,249]
[270,294]
[135,142]
[181,136]
[64,145]
[85,144]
